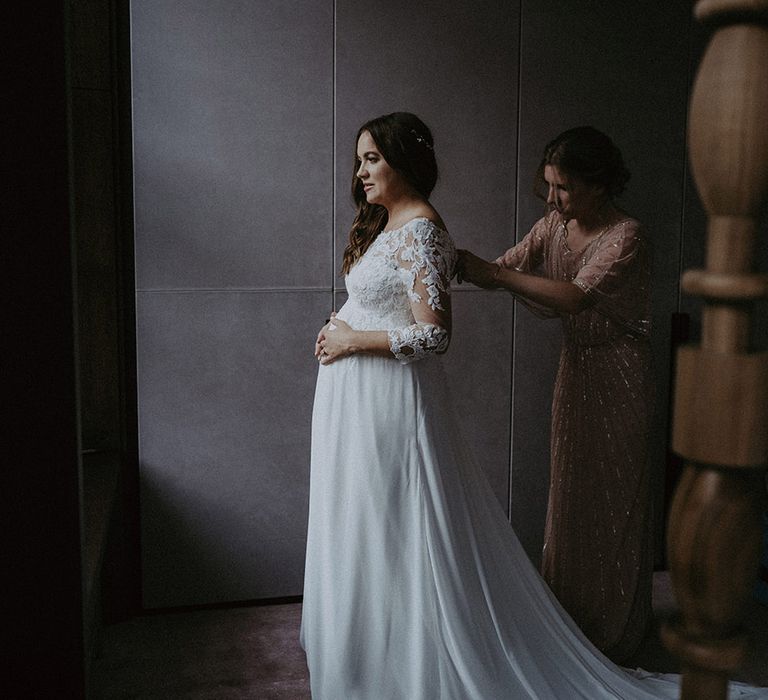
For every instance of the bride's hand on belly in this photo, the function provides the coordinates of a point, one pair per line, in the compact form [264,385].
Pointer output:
[335,341]
[320,338]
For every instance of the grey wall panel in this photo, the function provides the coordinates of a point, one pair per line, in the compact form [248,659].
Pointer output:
[339,297]
[455,65]
[622,68]
[226,382]
[479,364]
[537,349]
[232,124]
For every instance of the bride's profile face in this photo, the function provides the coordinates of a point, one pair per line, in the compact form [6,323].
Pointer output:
[382,184]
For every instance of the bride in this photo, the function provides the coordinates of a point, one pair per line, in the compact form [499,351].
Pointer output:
[416,587]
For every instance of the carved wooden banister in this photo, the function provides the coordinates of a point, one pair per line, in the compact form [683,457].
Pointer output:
[721,395]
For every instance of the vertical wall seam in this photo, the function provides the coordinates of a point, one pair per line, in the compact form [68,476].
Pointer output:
[333,160]
[516,219]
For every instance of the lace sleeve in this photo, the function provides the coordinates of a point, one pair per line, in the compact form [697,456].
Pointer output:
[427,259]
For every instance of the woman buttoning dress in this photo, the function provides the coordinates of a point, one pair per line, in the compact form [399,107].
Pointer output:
[416,587]
[588,262]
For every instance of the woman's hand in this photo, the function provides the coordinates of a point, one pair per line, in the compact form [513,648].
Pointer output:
[334,341]
[321,337]
[476,270]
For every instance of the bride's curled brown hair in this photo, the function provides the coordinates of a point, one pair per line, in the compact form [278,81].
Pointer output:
[406,144]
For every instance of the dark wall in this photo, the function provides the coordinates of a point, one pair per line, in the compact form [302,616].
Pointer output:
[102,225]
[244,116]
[624,68]
[42,595]
[96,181]
[67,377]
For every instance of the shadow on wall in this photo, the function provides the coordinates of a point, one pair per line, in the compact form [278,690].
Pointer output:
[191,556]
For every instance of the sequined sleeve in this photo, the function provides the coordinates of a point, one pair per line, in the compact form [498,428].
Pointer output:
[617,276]
[612,261]
[427,260]
[528,255]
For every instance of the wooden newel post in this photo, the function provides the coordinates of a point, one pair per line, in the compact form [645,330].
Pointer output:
[721,396]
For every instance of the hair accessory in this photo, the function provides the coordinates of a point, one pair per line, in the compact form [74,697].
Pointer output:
[422,140]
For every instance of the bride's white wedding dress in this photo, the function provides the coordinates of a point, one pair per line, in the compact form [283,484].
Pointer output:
[416,587]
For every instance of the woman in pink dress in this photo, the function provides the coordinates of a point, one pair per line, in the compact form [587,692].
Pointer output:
[588,262]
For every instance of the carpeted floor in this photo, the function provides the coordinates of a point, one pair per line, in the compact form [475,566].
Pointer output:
[253,652]
[241,652]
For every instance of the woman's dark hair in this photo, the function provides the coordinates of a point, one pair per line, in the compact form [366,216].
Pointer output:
[406,144]
[586,154]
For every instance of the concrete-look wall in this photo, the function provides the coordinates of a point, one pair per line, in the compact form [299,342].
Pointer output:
[244,120]
[233,133]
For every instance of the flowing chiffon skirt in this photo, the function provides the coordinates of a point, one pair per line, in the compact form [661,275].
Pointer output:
[416,587]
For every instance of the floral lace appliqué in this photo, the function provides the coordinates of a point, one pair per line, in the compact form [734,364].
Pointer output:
[433,254]
[426,255]
[416,341]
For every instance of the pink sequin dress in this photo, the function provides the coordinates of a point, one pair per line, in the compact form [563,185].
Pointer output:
[598,540]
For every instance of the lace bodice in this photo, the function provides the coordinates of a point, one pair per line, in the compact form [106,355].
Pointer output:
[402,285]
